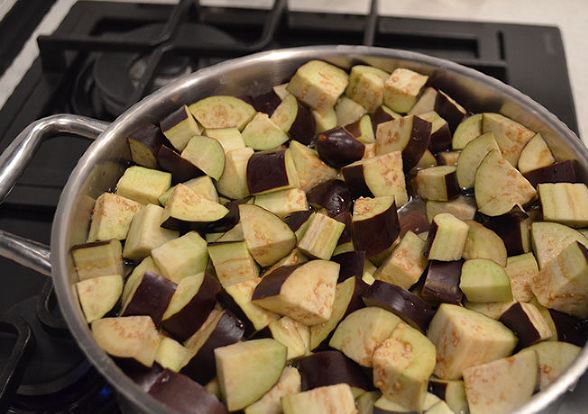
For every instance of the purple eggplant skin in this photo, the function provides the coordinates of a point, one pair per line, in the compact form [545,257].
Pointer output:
[515,319]
[271,284]
[151,297]
[440,139]
[414,220]
[378,117]
[355,180]
[266,102]
[228,303]
[345,218]
[420,137]
[508,227]
[560,172]
[303,128]
[185,396]
[180,168]
[448,111]
[266,170]
[377,233]
[330,368]
[351,264]
[333,195]
[570,329]
[451,185]
[190,318]
[151,138]
[404,304]
[230,220]
[202,367]
[430,238]
[442,282]
[297,219]
[141,375]
[337,147]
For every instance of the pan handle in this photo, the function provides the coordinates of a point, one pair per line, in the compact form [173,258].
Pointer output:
[13,161]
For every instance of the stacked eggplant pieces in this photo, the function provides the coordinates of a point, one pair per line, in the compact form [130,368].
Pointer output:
[344,243]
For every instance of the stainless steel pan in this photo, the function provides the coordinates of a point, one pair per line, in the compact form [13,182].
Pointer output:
[103,163]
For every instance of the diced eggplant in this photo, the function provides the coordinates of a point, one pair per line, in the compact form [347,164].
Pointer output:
[448,158]
[402,88]
[536,154]
[374,225]
[180,168]
[492,310]
[294,335]
[147,264]
[309,168]
[248,370]
[440,134]
[450,110]
[351,264]
[332,399]
[331,368]
[409,134]
[151,296]
[266,102]
[562,283]
[483,243]
[465,338]
[97,259]
[406,263]
[452,392]
[361,332]
[512,227]
[229,138]
[550,239]
[403,364]
[501,386]
[171,354]
[144,144]
[337,147]
[99,295]
[202,186]
[404,304]
[499,186]
[271,171]
[560,172]
[220,329]
[510,135]
[324,119]
[521,270]
[267,237]
[143,185]
[437,183]
[295,119]
[207,154]
[270,403]
[283,203]
[333,195]
[318,84]
[467,130]
[569,329]
[111,217]
[222,112]
[184,396]
[363,131]
[128,337]
[305,292]
[348,111]
[347,300]
[366,86]
[447,238]
[141,375]
[554,359]
[381,115]
[181,257]
[472,156]
[232,262]
[442,282]
[239,297]
[565,203]
[191,304]
[261,133]
[426,102]
[233,235]
[525,320]
[413,218]
[298,222]
[179,127]
[233,182]
[321,236]
[463,208]
[376,177]
[482,280]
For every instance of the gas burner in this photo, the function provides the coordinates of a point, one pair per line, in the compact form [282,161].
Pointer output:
[105,83]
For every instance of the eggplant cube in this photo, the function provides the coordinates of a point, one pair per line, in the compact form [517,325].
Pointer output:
[207,154]
[179,127]
[185,208]
[403,364]
[510,135]
[318,84]
[146,234]
[566,203]
[143,185]
[269,171]
[549,240]
[242,294]
[442,282]
[283,203]
[201,185]
[181,257]
[406,263]
[146,265]
[321,236]
[402,89]
[305,293]
[261,133]
[150,296]
[535,155]
[472,156]
[447,238]
[521,271]
[309,168]
[483,243]
[222,112]
[144,144]
[465,338]
[294,335]
[437,183]
[271,402]
[98,259]
[483,280]
[229,138]
[563,283]
[348,111]
[331,399]
[233,182]
[527,322]
[366,86]
[374,226]
[467,130]
[112,217]
[233,263]
[171,354]
[99,295]
[554,359]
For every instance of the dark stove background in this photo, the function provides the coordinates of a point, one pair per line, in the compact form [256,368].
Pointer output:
[106,56]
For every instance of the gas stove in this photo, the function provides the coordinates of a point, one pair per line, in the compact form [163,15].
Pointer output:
[105,56]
